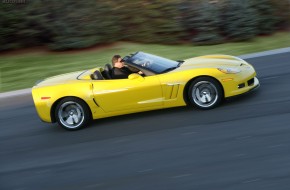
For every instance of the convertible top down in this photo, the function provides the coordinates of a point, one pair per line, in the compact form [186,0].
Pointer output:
[76,98]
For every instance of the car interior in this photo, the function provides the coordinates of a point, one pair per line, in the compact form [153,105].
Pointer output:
[106,72]
[103,73]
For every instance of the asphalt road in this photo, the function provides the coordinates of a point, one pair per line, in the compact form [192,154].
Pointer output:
[243,144]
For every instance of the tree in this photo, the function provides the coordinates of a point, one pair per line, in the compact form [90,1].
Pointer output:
[239,20]
[165,22]
[150,21]
[21,25]
[266,19]
[62,25]
[80,24]
[202,20]
[282,14]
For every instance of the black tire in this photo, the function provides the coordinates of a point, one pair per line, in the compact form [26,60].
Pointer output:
[205,93]
[72,113]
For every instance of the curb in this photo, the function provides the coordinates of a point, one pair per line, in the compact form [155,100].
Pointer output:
[15,93]
[265,53]
[246,56]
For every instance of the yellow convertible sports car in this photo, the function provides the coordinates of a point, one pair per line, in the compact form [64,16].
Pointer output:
[74,99]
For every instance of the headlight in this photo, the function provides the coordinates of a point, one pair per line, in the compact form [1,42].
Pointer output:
[229,70]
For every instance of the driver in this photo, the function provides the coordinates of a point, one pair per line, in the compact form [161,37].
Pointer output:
[119,71]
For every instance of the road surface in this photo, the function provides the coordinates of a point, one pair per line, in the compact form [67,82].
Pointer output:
[242,144]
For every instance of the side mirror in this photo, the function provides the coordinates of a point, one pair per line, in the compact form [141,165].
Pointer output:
[135,76]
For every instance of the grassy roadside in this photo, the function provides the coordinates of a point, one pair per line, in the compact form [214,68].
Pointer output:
[18,71]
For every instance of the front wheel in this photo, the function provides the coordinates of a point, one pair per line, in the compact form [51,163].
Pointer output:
[72,113]
[205,93]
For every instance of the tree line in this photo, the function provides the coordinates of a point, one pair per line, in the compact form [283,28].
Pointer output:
[62,25]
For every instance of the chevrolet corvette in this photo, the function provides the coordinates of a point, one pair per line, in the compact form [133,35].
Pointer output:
[74,99]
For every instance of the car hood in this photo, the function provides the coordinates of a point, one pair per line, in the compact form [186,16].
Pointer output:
[212,61]
[60,79]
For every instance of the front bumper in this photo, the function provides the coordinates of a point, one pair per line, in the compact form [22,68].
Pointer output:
[237,87]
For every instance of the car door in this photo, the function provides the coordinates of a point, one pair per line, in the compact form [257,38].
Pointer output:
[136,92]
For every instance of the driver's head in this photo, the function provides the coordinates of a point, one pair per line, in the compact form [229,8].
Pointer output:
[117,61]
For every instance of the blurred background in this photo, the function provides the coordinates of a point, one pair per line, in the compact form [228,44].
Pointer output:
[70,25]
[62,25]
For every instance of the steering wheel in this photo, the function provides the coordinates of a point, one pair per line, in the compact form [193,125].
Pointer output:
[146,64]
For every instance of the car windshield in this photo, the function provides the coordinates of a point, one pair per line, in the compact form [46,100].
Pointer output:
[152,62]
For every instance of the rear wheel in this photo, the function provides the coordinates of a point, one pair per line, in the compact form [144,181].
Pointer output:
[205,93]
[72,113]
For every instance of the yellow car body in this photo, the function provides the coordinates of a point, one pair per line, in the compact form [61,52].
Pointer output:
[111,97]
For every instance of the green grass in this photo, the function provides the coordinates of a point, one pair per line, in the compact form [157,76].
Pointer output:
[22,70]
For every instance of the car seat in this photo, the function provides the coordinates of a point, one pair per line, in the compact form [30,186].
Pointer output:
[107,71]
[97,75]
